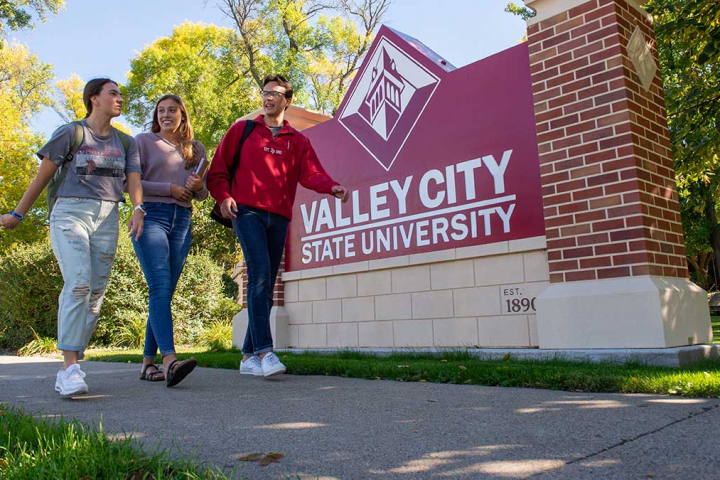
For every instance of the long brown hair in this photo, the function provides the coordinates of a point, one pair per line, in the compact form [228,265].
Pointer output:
[184,132]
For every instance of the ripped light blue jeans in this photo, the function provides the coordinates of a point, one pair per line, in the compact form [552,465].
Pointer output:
[84,236]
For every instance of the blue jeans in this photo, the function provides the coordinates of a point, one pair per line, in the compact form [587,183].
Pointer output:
[262,238]
[84,236]
[162,250]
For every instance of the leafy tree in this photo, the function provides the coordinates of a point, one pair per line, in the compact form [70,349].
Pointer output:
[24,90]
[523,12]
[18,14]
[69,103]
[319,54]
[199,63]
[697,230]
[688,40]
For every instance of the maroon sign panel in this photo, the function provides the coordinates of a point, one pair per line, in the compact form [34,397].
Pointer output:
[435,158]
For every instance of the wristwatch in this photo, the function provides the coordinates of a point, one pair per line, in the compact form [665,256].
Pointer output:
[140,207]
[17,215]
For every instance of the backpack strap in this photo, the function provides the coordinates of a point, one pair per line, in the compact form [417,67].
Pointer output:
[59,176]
[79,136]
[124,139]
[249,125]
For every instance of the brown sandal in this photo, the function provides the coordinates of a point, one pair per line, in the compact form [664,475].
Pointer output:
[156,376]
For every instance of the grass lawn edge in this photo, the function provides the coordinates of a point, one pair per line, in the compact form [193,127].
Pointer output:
[701,380]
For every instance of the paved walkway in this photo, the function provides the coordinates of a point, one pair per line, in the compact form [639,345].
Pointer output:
[331,427]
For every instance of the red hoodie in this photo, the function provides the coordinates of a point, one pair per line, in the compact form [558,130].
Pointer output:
[269,169]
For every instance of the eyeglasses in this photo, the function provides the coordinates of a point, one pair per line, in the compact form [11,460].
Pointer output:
[272,93]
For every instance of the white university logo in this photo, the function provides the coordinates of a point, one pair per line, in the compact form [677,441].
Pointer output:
[391,84]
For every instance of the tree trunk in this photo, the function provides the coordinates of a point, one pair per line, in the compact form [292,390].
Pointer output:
[711,217]
[704,275]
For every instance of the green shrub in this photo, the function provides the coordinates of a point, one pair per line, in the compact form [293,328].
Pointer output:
[199,298]
[218,335]
[32,283]
[38,346]
[220,244]
[225,309]
[230,287]
[126,297]
[131,334]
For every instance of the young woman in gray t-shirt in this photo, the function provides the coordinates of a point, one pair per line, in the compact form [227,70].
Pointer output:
[172,170]
[84,219]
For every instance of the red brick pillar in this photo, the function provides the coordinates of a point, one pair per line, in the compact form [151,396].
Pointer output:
[243,283]
[615,245]
[278,291]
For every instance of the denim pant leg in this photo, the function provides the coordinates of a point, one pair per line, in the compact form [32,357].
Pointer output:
[83,234]
[262,238]
[179,241]
[103,246]
[277,236]
[162,250]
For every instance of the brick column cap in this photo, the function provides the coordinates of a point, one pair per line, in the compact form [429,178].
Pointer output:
[545,9]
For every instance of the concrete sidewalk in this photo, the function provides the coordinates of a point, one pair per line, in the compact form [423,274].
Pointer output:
[331,427]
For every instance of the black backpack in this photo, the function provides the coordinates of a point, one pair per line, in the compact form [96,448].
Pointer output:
[216,213]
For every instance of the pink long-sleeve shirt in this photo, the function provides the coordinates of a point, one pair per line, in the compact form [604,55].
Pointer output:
[163,165]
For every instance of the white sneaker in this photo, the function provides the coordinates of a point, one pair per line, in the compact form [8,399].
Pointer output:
[271,365]
[251,366]
[70,381]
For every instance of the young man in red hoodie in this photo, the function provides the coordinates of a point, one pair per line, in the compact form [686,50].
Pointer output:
[274,159]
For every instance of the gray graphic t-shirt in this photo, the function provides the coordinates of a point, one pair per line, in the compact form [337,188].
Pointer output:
[99,167]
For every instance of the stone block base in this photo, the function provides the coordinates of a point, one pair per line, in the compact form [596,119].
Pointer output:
[635,312]
[278,327]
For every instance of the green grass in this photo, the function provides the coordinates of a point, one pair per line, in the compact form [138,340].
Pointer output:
[700,380]
[716,328]
[33,448]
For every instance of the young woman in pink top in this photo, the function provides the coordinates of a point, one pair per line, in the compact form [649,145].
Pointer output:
[170,158]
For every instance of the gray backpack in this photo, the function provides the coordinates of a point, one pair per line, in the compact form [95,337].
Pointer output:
[57,179]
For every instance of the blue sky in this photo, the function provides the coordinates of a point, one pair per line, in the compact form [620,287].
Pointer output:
[96,38]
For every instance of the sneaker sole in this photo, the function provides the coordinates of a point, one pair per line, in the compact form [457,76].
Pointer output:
[80,391]
[272,373]
[251,373]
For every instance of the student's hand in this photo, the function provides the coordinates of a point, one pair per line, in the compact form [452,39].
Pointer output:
[341,192]
[180,193]
[8,222]
[228,208]
[194,183]
[136,224]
